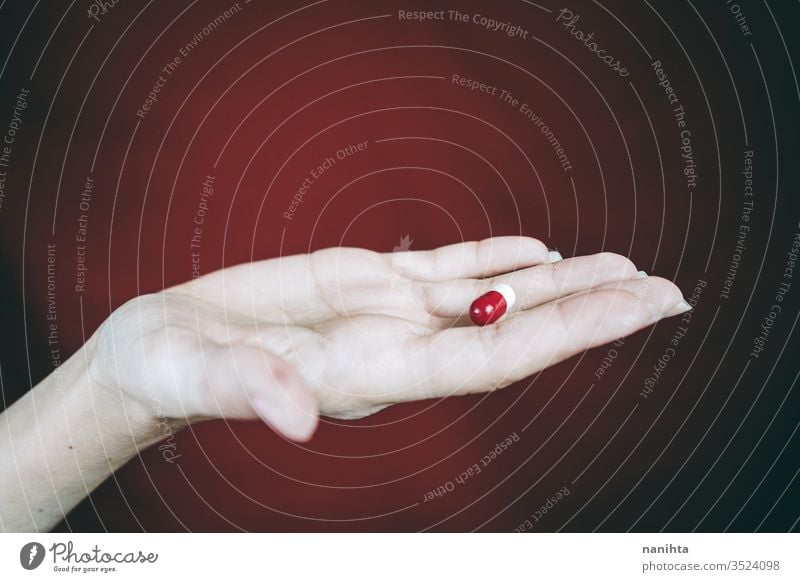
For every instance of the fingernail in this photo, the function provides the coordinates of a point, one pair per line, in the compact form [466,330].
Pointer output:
[554,257]
[681,307]
[640,275]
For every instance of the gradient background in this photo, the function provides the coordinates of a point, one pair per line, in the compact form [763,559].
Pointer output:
[282,85]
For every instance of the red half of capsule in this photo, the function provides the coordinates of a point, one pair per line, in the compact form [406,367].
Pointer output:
[488,308]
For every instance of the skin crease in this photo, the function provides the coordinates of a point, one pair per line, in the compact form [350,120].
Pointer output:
[341,332]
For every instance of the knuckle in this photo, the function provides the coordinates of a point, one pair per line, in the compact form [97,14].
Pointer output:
[613,262]
[561,323]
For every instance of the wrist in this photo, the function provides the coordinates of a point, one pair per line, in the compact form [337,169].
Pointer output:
[120,416]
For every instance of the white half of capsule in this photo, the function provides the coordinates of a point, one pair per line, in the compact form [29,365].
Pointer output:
[508,294]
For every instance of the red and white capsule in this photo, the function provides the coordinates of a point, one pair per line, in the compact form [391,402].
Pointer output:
[492,305]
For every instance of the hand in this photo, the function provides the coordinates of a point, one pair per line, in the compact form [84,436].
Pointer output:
[345,332]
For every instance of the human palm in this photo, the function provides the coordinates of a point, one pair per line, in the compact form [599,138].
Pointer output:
[344,332]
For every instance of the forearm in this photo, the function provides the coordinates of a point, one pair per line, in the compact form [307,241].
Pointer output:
[61,440]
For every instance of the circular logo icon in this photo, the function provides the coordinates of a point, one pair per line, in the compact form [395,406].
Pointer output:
[31,555]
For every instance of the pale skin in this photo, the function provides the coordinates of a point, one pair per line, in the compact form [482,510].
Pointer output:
[338,333]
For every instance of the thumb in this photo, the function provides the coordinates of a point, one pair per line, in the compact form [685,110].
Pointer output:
[249,380]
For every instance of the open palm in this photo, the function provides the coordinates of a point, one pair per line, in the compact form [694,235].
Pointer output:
[345,332]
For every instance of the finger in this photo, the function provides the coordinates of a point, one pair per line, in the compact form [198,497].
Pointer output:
[477,259]
[308,287]
[246,381]
[533,286]
[463,360]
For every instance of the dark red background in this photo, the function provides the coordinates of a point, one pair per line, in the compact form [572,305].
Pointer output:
[288,85]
